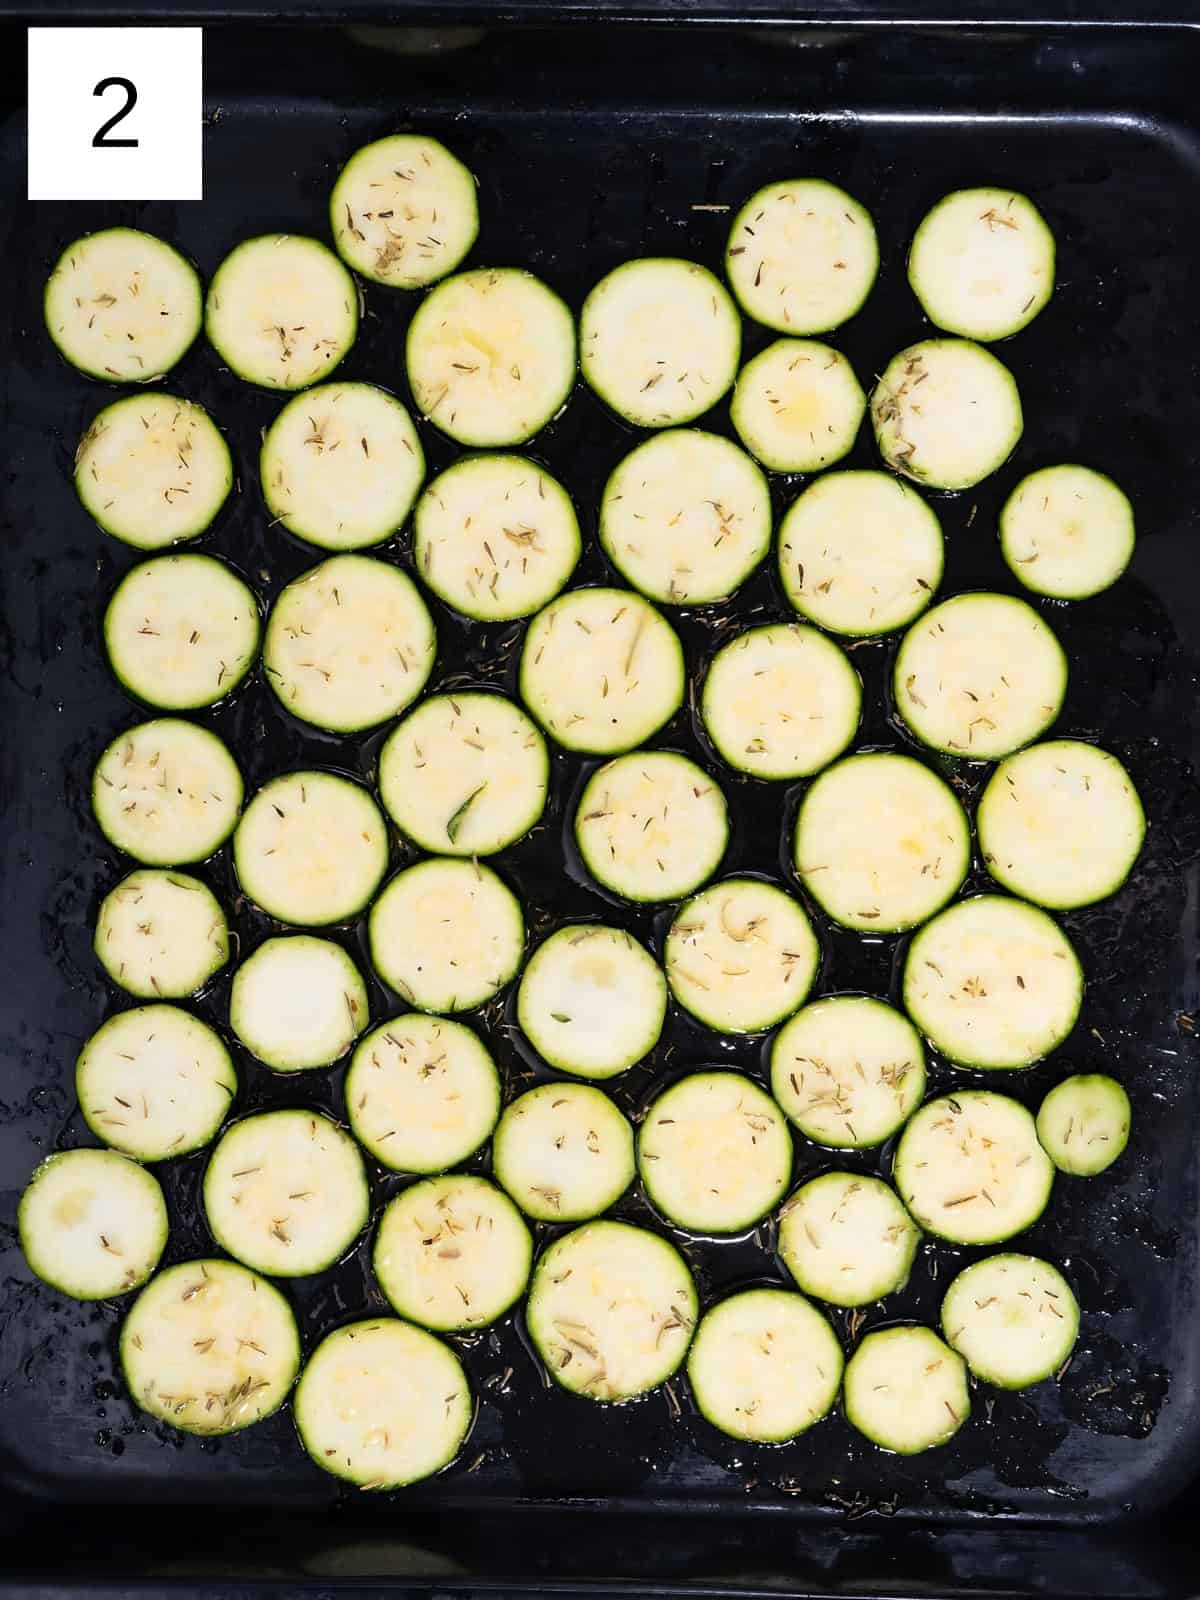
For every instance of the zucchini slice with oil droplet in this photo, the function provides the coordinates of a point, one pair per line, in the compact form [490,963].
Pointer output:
[281,311]
[686,517]
[780,701]
[714,1153]
[465,774]
[860,553]
[181,631]
[798,406]
[155,1082]
[422,1093]
[161,934]
[285,1192]
[311,849]
[881,842]
[491,356]
[651,825]
[946,413]
[741,955]
[660,340]
[611,1310]
[122,306]
[846,1239]
[1012,1318]
[166,792]
[592,1000]
[210,1347]
[383,1404]
[92,1223]
[495,536]
[970,1169]
[802,256]
[1083,1123]
[979,676]
[1067,532]
[349,644]
[404,211]
[848,1070]
[1061,824]
[446,935]
[601,670]
[341,465]
[993,982]
[298,1002]
[905,1390]
[982,263]
[452,1252]
[564,1152]
[764,1365]
[153,470]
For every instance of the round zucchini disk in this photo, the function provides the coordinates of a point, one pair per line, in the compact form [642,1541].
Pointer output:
[167,792]
[564,1152]
[298,1002]
[1083,1123]
[846,1238]
[982,263]
[592,1000]
[161,934]
[946,413]
[797,406]
[1067,532]
[92,1223]
[905,1390]
[404,211]
[1012,1318]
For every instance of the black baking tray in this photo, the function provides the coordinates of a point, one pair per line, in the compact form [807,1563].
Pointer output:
[593,142]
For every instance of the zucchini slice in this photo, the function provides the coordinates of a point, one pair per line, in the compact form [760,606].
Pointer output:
[651,825]
[404,211]
[764,1365]
[311,849]
[846,1239]
[780,701]
[349,644]
[860,553]
[741,955]
[1012,1318]
[849,1071]
[1083,1123]
[495,537]
[802,256]
[970,1169]
[382,1404]
[982,263]
[686,517]
[659,340]
[1067,532]
[298,1002]
[155,1082]
[92,1223]
[422,1093]
[993,982]
[714,1153]
[281,311]
[341,465]
[465,774]
[881,842]
[564,1152]
[611,1310]
[797,406]
[979,676]
[452,1252]
[122,306]
[210,1347]
[946,413]
[601,670]
[161,934]
[446,935]
[1061,824]
[166,792]
[491,356]
[592,1000]
[286,1192]
[905,1390]
[153,470]
[181,631]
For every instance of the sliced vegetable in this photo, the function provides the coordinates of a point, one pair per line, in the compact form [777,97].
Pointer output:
[298,1002]
[161,934]
[1083,1123]
[905,1390]
[982,263]
[802,256]
[564,1152]
[798,406]
[92,1224]
[166,792]
[846,1238]
[404,211]
[1067,532]
[592,1000]
[1012,1318]
[946,413]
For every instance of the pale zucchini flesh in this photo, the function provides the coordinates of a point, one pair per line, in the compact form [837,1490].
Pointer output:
[167,792]
[404,211]
[1067,532]
[564,1152]
[798,406]
[982,263]
[1012,1318]
[846,1239]
[161,935]
[946,413]
[92,1223]
[592,1000]
[1083,1123]
[905,1390]
[298,1002]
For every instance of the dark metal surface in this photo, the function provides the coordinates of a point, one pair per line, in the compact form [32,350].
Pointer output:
[591,147]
